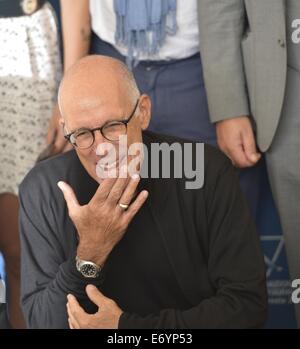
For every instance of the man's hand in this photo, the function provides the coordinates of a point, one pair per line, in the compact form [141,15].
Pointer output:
[236,139]
[107,316]
[102,223]
[55,135]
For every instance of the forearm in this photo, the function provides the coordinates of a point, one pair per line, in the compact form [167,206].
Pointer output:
[46,306]
[215,313]
[76,29]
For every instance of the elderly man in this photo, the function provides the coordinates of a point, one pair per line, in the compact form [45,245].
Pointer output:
[131,252]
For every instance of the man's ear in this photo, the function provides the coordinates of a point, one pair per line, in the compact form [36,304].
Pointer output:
[145,111]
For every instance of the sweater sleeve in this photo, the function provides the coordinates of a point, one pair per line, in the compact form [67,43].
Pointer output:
[48,269]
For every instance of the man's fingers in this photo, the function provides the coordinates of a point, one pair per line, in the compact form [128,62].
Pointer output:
[103,190]
[119,186]
[73,323]
[69,196]
[238,156]
[95,295]
[236,139]
[117,190]
[76,313]
[112,188]
[233,148]
[70,324]
[250,147]
[130,190]
[135,206]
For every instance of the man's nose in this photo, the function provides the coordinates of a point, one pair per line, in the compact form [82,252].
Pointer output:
[101,146]
[99,139]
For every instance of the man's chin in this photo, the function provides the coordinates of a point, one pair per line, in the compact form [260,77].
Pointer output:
[118,169]
[108,172]
[98,174]
[97,179]
[104,171]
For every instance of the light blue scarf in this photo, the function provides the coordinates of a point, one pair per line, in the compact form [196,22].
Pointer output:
[142,25]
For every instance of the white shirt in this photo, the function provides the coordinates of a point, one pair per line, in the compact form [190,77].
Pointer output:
[183,44]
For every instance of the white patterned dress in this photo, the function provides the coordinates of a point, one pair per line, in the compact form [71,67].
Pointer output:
[30,71]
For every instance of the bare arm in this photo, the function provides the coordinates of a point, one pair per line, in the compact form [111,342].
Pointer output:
[76,27]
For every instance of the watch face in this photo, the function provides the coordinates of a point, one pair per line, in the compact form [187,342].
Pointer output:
[88,270]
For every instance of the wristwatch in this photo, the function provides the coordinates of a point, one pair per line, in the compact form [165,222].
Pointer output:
[88,269]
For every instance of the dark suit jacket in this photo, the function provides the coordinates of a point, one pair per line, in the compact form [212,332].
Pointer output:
[208,234]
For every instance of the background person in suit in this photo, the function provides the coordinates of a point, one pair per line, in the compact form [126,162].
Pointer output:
[252,78]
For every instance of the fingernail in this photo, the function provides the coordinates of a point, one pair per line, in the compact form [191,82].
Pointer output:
[60,185]
[135,176]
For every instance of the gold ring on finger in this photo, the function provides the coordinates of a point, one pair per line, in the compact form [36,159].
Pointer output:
[123,206]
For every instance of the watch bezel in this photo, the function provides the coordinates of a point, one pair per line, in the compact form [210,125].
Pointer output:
[82,264]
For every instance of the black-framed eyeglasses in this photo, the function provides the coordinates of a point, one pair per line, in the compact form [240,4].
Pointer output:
[84,138]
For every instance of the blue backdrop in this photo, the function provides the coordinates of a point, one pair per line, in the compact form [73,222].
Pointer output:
[281,310]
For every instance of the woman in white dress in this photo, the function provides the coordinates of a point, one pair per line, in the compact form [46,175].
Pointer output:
[30,71]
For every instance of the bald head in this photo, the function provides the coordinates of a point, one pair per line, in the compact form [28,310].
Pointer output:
[97,79]
[98,93]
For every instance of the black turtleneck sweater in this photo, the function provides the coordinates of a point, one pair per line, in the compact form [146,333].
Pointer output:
[189,258]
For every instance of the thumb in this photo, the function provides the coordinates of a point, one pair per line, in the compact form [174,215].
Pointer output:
[69,196]
[250,147]
[95,295]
